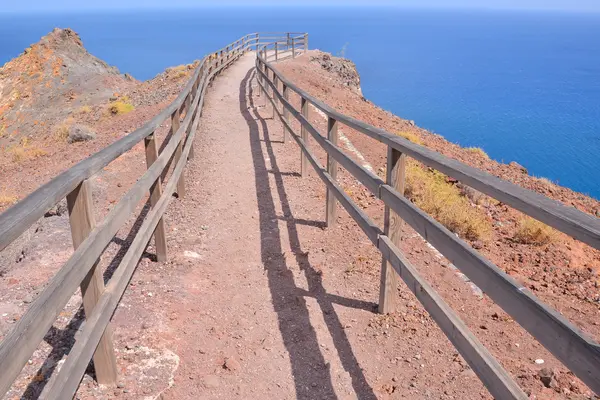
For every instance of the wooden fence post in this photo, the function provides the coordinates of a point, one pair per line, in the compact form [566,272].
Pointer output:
[286,112]
[266,84]
[332,168]
[187,103]
[304,134]
[160,236]
[259,77]
[275,102]
[175,123]
[81,217]
[305,42]
[293,49]
[396,174]
[194,94]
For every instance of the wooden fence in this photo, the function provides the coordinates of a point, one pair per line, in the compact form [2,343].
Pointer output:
[90,239]
[578,352]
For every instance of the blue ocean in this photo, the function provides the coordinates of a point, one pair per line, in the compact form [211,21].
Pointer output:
[524,86]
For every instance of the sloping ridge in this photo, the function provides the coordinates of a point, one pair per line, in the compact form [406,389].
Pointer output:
[49,80]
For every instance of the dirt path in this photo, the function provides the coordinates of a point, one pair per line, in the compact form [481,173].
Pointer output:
[249,280]
[258,299]
[265,302]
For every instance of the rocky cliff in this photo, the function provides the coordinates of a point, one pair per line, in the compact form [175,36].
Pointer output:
[49,81]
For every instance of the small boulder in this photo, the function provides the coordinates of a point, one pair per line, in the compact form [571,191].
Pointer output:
[546,375]
[231,364]
[80,133]
[58,210]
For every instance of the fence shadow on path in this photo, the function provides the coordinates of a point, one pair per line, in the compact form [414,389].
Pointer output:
[312,374]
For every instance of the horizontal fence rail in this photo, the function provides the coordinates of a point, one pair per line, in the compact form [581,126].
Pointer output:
[571,346]
[90,239]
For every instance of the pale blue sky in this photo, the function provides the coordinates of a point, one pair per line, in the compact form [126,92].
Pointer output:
[76,5]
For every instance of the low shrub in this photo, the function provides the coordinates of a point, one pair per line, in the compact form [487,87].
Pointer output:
[24,151]
[432,193]
[532,231]
[61,131]
[120,107]
[479,151]
[413,137]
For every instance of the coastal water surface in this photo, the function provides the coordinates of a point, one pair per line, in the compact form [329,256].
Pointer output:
[524,86]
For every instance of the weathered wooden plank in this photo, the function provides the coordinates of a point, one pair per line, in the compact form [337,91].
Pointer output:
[571,346]
[367,178]
[569,220]
[395,177]
[174,127]
[81,217]
[286,113]
[586,347]
[332,170]
[18,218]
[494,377]
[66,383]
[370,229]
[160,235]
[304,134]
[28,332]
[293,49]
[275,105]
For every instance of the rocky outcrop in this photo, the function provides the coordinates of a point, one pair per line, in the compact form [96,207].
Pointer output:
[342,67]
[49,82]
[80,133]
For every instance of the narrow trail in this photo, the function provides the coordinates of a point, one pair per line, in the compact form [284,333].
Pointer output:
[259,300]
[253,269]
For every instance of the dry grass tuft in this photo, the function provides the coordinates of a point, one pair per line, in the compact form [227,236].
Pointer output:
[431,192]
[180,74]
[413,137]
[532,231]
[121,106]
[479,151]
[85,109]
[7,200]
[61,132]
[180,71]
[24,151]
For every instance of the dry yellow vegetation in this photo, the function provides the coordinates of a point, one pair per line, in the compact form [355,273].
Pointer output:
[413,137]
[478,151]
[532,231]
[121,106]
[7,200]
[61,132]
[24,151]
[431,192]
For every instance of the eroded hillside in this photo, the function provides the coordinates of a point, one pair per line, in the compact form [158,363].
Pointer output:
[60,104]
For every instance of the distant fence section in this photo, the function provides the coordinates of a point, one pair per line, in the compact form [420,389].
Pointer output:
[90,238]
[573,348]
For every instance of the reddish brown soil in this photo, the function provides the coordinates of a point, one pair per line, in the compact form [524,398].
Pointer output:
[260,300]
